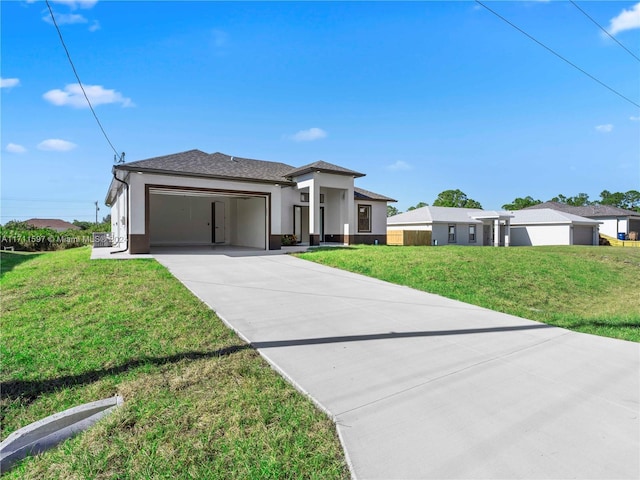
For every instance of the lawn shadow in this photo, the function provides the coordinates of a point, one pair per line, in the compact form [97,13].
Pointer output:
[30,390]
[9,260]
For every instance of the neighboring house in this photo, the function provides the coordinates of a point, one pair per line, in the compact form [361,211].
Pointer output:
[196,198]
[459,226]
[545,226]
[472,226]
[614,220]
[52,223]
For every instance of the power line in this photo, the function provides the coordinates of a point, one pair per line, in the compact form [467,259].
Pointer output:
[558,55]
[605,31]
[53,18]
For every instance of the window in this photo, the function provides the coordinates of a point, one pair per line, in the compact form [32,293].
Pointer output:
[452,234]
[472,234]
[304,197]
[322,198]
[364,218]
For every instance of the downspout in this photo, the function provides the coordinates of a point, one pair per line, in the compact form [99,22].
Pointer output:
[126,202]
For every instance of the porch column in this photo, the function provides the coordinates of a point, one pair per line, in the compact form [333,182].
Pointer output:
[350,219]
[314,213]
[496,232]
[507,233]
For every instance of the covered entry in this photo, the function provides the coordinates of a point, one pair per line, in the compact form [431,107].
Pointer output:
[179,217]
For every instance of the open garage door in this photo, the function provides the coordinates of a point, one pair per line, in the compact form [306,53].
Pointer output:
[180,217]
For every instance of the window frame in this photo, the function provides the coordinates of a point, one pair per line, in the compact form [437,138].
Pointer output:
[451,234]
[369,209]
[473,236]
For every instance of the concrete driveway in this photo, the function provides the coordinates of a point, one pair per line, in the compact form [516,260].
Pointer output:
[425,387]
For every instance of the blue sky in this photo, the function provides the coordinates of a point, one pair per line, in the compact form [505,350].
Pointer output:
[420,96]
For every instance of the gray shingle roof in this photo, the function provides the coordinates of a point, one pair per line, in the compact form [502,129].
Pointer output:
[362,194]
[430,214]
[53,223]
[321,166]
[218,165]
[548,216]
[590,211]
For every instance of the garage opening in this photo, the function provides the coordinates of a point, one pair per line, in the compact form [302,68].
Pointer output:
[192,217]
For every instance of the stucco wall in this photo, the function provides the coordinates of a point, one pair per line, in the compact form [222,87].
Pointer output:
[250,222]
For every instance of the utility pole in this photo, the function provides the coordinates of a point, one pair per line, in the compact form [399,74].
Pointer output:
[97,210]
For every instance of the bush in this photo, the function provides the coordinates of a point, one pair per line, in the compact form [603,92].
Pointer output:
[42,239]
[288,240]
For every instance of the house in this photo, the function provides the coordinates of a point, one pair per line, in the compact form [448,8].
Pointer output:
[459,226]
[197,198]
[613,220]
[472,226]
[51,223]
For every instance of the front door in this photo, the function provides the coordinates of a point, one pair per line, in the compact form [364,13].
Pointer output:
[322,224]
[217,222]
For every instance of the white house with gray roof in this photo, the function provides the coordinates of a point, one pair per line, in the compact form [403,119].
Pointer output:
[473,226]
[613,220]
[196,198]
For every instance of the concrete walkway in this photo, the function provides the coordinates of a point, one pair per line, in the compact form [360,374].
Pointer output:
[425,387]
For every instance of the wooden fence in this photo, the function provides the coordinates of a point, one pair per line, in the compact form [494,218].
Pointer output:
[408,237]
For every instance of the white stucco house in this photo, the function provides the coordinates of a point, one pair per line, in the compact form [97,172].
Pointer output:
[472,226]
[196,198]
[613,220]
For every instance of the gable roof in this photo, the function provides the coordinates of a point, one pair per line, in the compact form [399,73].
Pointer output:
[53,223]
[362,194]
[217,165]
[548,215]
[324,167]
[591,211]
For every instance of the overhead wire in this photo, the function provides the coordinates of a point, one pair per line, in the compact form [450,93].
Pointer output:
[605,31]
[558,55]
[53,18]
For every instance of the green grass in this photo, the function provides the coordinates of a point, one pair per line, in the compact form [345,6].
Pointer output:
[587,289]
[199,403]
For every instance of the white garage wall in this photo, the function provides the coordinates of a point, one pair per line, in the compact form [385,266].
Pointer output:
[250,223]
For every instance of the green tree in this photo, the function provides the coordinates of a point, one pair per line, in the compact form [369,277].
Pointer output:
[391,211]
[418,205]
[455,198]
[629,200]
[580,200]
[520,203]
[83,225]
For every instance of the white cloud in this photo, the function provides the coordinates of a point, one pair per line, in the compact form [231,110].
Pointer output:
[399,165]
[74,4]
[72,96]
[634,119]
[95,26]
[56,145]
[604,128]
[626,20]
[15,148]
[9,82]
[66,18]
[309,135]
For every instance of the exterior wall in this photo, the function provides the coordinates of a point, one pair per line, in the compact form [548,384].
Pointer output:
[250,223]
[527,235]
[119,219]
[440,233]
[609,227]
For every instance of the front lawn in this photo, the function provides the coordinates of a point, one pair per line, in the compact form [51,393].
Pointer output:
[587,289]
[199,402]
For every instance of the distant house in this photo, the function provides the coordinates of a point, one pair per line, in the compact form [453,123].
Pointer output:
[52,223]
[613,220]
[472,226]
[198,198]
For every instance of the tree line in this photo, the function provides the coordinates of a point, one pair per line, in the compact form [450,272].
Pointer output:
[456,198]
